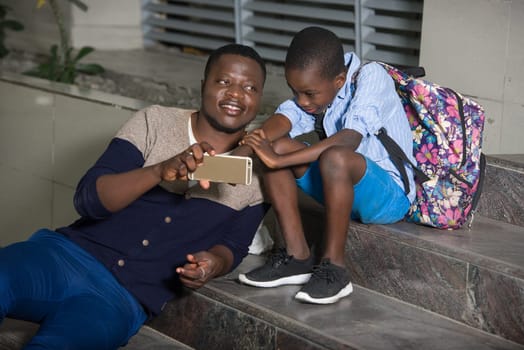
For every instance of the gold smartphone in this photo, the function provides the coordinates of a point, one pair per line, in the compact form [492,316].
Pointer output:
[224,168]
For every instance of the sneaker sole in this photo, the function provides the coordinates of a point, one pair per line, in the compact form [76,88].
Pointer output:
[296,279]
[344,292]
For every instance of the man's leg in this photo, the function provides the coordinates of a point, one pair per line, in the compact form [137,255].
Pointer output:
[44,278]
[84,322]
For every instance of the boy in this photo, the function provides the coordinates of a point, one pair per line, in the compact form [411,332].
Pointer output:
[348,170]
[145,231]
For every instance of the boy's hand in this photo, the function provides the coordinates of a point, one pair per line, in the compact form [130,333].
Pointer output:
[260,144]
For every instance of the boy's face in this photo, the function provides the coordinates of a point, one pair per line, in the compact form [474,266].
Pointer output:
[231,93]
[312,92]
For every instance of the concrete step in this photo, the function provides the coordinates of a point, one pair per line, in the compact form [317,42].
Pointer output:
[228,315]
[15,333]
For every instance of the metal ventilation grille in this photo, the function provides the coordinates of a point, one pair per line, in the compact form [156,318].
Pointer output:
[269,26]
[202,24]
[391,31]
[386,30]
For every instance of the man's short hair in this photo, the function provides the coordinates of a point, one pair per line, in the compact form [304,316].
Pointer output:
[235,49]
[315,46]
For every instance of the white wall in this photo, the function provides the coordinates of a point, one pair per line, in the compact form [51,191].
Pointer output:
[51,140]
[474,46]
[477,47]
[107,24]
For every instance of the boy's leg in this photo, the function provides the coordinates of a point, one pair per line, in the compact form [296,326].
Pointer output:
[281,188]
[352,185]
[341,169]
[293,264]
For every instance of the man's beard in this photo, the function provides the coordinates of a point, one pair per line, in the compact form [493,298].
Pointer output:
[219,127]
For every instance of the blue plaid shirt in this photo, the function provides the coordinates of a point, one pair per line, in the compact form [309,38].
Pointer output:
[375,104]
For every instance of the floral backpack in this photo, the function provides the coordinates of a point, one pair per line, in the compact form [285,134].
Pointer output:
[447,138]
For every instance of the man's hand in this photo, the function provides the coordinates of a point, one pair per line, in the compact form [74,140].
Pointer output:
[179,166]
[199,269]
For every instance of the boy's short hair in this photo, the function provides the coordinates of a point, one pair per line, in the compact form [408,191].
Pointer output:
[319,47]
[235,49]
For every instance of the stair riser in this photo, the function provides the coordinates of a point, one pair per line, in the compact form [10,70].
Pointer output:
[464,291]
[503,195]
[202,321]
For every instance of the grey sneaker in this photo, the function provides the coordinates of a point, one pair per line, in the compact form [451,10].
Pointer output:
[328,284]
[280,269]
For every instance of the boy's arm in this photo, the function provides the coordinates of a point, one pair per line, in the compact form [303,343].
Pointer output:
[274,128]
[262,146]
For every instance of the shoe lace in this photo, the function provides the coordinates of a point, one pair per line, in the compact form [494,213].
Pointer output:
[279,257]
[324,271]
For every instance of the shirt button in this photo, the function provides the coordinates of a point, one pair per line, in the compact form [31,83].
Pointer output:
[121,262]
[167,219]
[145,242]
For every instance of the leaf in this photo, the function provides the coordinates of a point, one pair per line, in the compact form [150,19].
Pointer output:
[54,51]
[90,69]
[13,25]
[40,3]
[79,4]
[84,51]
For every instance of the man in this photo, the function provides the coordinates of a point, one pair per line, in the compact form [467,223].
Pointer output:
[144,230]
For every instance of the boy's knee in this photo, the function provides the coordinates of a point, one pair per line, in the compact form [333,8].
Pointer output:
[338,157]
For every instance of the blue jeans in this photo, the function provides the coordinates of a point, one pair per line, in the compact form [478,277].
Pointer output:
[377,198]
[79,304]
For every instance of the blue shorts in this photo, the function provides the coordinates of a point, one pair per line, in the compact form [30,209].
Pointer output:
[79,304]
[378,199]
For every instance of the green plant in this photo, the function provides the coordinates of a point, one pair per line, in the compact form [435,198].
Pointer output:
[7,24]
[63,65]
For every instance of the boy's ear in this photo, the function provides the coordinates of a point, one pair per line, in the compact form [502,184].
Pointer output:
[340,79]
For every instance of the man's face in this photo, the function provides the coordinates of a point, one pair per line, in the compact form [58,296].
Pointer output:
[232,92]
[312,92]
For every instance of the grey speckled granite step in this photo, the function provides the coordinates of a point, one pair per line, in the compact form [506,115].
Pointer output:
[503,195]
[474,276]
[228,315]
[14,334]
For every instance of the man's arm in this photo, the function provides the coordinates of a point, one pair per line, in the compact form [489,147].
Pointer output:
[226,254]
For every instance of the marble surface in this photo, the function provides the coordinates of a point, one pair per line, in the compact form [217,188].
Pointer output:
[467,275]
[14,334]
[236,316]
[503,195]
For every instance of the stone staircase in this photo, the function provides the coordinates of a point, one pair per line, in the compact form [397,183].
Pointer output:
[416,288]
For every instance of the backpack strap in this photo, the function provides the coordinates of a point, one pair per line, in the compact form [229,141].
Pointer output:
[397,155]
[398,158]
